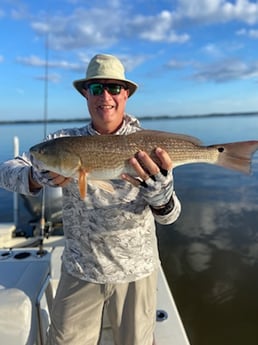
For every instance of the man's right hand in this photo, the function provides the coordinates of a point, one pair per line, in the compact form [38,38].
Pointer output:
[39,178]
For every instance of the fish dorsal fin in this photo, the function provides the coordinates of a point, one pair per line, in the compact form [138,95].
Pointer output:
[169,135]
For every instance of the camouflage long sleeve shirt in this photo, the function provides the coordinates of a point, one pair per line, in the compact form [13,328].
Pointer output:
[109,237]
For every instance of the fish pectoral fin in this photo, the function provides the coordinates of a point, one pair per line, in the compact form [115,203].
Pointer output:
[82,183]
[106,186]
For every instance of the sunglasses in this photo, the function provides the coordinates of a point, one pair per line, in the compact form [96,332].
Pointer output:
[97,89]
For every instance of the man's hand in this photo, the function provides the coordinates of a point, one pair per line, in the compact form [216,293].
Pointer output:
[38,178]
[154,180]
[59,180]
[146,168]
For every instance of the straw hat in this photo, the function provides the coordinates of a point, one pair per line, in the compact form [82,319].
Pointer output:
[103,66]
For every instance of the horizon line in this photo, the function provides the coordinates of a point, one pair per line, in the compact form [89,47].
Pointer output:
[144,117]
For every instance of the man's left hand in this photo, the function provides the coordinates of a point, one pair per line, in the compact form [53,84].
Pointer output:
[155,180]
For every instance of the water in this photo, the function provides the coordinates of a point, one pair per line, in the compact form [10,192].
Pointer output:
[210,255]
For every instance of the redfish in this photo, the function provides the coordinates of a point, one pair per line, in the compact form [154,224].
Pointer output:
[106,157]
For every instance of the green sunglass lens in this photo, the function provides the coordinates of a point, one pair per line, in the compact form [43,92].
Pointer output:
[98,88]
[114,89]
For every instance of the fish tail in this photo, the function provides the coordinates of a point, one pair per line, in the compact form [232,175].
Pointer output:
[237,156]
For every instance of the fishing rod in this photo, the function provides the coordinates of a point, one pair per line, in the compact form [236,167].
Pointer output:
[45,121]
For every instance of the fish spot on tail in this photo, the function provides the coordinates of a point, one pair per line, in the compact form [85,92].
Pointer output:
[221,149]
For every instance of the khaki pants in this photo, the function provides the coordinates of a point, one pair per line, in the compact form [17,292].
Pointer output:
[78,307]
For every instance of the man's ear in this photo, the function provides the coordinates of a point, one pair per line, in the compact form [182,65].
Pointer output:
[127,91]
[85,94]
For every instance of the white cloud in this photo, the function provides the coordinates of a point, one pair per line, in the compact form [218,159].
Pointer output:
[36,61]
[130,62]
[158,28]
[217,11]
[244,10]
[31,60]
[52,77]
[199,8]
[89,27]
[212,50]
[41,27]
[175,64]
[82,28]
[227,70]
[251,33]
[15,9]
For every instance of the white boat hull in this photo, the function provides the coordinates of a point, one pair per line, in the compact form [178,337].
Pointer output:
[34,280]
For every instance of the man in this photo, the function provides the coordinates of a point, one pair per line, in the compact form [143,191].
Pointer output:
[110,256]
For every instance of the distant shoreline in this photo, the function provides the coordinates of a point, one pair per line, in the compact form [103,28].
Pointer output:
[148,117]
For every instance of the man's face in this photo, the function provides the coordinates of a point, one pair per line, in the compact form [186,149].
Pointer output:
[106,109]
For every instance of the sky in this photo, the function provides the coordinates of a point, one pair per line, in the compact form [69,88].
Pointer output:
[188,57]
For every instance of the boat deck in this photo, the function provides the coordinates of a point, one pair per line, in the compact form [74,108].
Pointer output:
[169,327]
